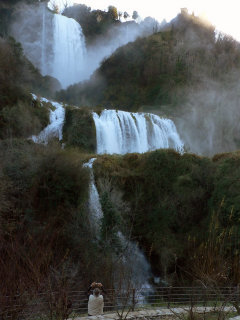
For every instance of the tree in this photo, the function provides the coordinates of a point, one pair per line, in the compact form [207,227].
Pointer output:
[110,220]
[120,14]
[125,15]
[113,12]
[54,6]
[135,15]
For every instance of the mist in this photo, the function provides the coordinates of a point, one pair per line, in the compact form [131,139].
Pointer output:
[209,122]
[30,25]
[116,37]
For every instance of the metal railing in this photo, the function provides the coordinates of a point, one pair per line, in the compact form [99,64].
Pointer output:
[63,303]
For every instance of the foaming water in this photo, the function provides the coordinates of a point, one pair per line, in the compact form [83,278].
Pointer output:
[54,129]
[43,53]
[69,50]
[124,132]
[137,269]
[95,208]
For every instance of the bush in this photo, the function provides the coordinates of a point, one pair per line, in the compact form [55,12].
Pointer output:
[79,129]
[168,194]
[14,124]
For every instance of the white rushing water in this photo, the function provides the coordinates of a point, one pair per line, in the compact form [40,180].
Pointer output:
[69,50]
[54,129]
[43,44]
[124,132]
[95,208]
[54,43]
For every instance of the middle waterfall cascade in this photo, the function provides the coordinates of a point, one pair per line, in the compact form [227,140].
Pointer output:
[69,50]
[125,132]
[54,129]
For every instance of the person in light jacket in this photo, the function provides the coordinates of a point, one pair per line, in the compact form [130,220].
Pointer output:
[96,285]
[95,303]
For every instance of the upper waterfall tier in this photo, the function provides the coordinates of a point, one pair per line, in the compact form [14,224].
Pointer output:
[124,132]
[54,43]
[69,50]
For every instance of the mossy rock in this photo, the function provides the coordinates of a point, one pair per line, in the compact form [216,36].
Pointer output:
[79,129]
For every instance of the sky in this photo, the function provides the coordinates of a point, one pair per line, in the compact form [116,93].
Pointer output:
[224,15]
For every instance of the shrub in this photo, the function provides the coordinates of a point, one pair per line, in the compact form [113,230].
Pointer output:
[79,129]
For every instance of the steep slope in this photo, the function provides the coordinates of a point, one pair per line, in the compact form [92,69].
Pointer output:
[177,202]
[19,115]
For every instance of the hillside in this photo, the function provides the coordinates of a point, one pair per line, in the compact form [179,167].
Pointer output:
[19,115]
[176,205]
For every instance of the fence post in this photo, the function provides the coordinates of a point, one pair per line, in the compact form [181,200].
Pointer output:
[168,295]
[133,299]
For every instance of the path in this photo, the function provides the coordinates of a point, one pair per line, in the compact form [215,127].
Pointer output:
[151,313]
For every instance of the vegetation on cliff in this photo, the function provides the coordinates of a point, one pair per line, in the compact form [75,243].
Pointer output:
[20,116]
[79,129]
[94,23]
[173,198]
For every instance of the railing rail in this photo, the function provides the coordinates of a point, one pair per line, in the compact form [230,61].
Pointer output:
[65,302]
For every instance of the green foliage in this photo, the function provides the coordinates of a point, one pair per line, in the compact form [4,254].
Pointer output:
[61,187]
[14,124]
[125,15]
[44,191]
[135,15]
[169,196]
[79,129]
[18,77]
[94,23]
[113,12]
[44,218]
[110,222]
[171,199]
[184,211]
[226,188]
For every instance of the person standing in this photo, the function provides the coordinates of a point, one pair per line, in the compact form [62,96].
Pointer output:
[95,303]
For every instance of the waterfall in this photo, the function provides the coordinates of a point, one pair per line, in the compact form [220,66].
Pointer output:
[95,208]
[124,132]
[54,43]
[43,44]
[135,264]
[69,50]
[132,256]
[54,129]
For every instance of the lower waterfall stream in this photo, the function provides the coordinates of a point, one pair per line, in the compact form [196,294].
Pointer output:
[131,256]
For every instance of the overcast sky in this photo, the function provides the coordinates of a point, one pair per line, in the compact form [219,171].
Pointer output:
[225,15]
